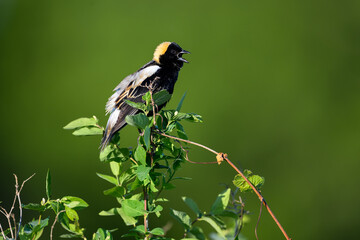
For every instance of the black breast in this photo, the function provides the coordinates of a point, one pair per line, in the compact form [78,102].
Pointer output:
[167,79]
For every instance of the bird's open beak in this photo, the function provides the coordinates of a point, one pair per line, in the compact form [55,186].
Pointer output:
[182,59]
[185,52]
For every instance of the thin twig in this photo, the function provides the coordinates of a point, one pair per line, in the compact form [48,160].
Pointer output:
[9,215]
[18,191]
[223,156]
[14,222]
[145,214]
[53,225]
[2,232]
[153,106]
[188,141]
[187,157]
[257,223]
[3,211]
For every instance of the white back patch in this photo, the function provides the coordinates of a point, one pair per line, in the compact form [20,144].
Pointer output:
[144,74]
[134,79]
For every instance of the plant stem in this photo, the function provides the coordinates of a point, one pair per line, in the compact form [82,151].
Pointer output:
[223,156]
[145,214]
[53,225]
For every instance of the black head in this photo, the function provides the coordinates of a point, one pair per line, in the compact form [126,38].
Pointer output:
[170,54]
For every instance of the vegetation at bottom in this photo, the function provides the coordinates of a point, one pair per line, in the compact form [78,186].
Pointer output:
[141,176]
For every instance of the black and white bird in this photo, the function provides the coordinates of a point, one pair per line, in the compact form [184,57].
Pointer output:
[160,73]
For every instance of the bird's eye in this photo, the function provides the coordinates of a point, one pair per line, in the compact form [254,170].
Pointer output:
[173,51]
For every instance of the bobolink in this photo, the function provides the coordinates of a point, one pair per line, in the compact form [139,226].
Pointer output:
[159,74]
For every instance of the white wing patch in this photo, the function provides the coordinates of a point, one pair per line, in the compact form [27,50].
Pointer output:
[143,74]
[134,79]
[113,118]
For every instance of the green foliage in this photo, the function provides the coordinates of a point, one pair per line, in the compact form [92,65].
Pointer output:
[225,217]
[64,209]
[102,234]
[139,177]
[138,120]
[33,229]
[256,180]
[85,127]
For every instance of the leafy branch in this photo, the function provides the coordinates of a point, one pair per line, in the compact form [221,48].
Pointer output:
[152,165]
[239,182]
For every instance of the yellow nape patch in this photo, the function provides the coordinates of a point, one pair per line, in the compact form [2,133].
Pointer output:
[160,50]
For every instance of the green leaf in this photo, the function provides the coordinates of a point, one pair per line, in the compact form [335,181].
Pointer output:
[157,231]
[71,235]
[192,117]
[139,228]
[147,134]
[34,206]
[108,178]
[171,127]
[102,234]
[180,131]
[138,120]
[192,205]
[33,229]
[147,98]
[161,97]
[153,186]
[256,180]
[137,105]
[142,172]
[230,214]
[168,114]
[213,224]
[161,200]
[72,214]
[128,220]
[134,185]
[115,191]
[140,155]
[133,208]
[48,184]
[82,122]
[221,202]
[110,212]
[198,233]
[195,118]
[126,176]
[219,222]
[113,153]
[74,202]
[169,186]
[88,131]
[158,208]
[178,108]
[115,168]
[182,217]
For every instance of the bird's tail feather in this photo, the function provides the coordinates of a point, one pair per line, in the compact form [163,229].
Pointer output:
[110,129]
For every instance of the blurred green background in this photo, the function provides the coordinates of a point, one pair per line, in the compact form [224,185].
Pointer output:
[277,83]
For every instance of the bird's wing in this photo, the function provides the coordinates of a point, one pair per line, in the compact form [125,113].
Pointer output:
[131,88]
[130,82]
